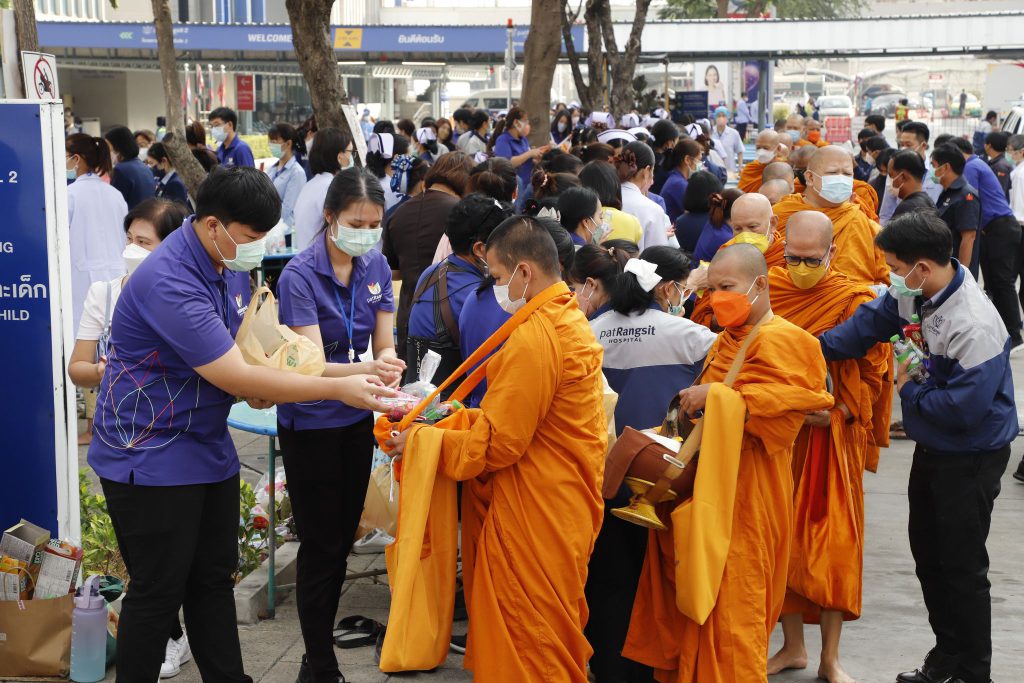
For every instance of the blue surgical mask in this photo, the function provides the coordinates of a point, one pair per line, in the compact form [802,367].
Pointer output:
[351,162]
[836,189]
[794,135]
[72,174]
[219,133]
[276,150]
[684,294]
[355,241]
[899,283]
[247,256]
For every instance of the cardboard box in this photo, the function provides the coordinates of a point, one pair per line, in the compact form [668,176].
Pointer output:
[26,542]
[59,570]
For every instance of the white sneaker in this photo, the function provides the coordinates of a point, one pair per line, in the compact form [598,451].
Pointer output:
[372,543]
[177,653]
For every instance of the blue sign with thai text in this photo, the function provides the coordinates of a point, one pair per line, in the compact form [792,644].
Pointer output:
[28,482]
[257,38]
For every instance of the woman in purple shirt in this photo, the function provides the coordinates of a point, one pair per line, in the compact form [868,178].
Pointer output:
[161,445]
[681,162]
[337,293]
[511,141]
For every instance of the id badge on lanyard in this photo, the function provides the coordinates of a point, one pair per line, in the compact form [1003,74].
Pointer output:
[348,321]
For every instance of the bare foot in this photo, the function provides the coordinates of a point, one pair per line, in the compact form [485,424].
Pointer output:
[787,659]
[833,673]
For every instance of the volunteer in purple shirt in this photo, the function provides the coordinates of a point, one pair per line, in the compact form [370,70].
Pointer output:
[511,141]
[233,150]
[337,293]
[161,446]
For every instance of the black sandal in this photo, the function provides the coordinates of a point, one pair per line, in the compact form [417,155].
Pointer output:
[357,631]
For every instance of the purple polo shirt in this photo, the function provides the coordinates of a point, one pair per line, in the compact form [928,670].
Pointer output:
[157,422]
[309,294]
[481,317]
[507,146]
[238,153]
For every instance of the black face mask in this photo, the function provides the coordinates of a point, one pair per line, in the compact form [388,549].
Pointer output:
[799,173]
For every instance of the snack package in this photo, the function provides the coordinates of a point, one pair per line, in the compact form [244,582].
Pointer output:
[428,368]
[26,542]
[59,569]
[15,580]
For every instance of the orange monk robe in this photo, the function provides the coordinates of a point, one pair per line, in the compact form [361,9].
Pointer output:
[804,143]
[541,438]
[826,565]
[782,379]
[857,257]
[773,256]
[865,197]
[750,176]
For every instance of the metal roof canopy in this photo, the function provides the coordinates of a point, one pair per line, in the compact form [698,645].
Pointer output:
[989,33]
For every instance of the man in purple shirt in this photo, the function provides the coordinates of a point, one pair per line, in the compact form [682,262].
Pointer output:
[1000,239]
[233,150]
[161,448]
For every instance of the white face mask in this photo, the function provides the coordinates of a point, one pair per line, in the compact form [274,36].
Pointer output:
[502,297]
[133,255]
[355,241]
[219,133]
[562,125]
[247,256]
[143,152]
[765,156]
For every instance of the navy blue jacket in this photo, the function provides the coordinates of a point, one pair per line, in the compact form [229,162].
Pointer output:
[134,181]
[966,405]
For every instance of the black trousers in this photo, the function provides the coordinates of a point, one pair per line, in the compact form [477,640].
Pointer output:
[951,498]
[612,578]
[1000,254]
[328,471]
[180,545]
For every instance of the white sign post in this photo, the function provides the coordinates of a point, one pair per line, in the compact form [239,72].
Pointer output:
[356,130]
[40,72]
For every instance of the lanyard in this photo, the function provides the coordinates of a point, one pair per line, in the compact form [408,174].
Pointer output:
[348,322]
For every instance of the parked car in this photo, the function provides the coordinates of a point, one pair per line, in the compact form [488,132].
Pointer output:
[1014,121]
[886,104]
[835,105]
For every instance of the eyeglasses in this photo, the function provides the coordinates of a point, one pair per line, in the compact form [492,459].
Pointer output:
[350,150]
[797,260]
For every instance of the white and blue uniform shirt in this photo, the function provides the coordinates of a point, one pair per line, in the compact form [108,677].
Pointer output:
[289,180]
[648,359]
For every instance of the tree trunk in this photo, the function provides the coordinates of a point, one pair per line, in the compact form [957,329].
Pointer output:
[191,172]
[625,64]
[310,20]
[540,57]
[723,9]
[26,36]
[568,19]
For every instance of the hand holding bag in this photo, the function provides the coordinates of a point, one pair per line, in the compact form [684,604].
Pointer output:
[264,341]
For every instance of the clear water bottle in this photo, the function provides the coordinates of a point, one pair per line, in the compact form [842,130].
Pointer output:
[89,634]
[905,350]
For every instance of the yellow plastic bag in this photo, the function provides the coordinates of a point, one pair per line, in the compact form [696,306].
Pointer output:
[264,341]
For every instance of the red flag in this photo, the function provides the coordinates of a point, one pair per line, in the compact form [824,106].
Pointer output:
[210,100]
[200,85]
[223,85]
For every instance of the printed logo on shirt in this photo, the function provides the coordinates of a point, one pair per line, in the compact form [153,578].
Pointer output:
[241,309]
[969,197]
[623,335]
[375,292]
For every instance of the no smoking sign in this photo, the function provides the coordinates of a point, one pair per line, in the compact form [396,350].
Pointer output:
[40,72]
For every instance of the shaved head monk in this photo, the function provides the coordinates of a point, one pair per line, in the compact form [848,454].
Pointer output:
[534,457]
[753,223]
[775,190]
[810,134]
[713,584]
[829,179]
[778,170]
[799,158]
[794,127]
[769,147]
[831,452]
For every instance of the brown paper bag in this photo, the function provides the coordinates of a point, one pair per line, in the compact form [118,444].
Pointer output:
[264,341]
[35,637]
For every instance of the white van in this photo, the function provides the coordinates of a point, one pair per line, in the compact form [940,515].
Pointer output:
[1014,121]
[496,99]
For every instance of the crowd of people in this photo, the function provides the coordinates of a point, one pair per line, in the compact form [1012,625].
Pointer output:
[610,258]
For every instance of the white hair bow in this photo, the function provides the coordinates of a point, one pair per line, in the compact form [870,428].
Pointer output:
[548,212]
[646,273]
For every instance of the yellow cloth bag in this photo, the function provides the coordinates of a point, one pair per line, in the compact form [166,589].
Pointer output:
[265,341]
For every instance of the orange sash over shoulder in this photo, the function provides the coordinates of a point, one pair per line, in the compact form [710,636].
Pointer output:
[750,176]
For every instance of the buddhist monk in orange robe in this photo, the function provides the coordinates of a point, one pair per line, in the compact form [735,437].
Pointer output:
[752,223]
[533,509]
[707,617]
[830,454]
[811,134]
[769,148]
[857,257]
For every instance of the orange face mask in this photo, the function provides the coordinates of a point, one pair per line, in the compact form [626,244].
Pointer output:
[732,309]
[814,136]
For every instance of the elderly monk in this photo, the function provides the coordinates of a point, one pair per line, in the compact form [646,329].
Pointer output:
[794,128]
[778,170]
[830,453]
[713,584]
[769,148]
[775,190]
[811,134]
[829,190]
[752,223]
[538,442]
